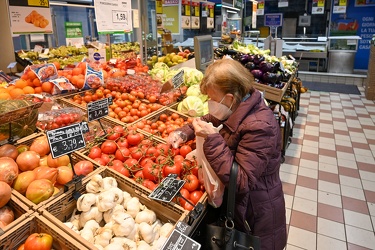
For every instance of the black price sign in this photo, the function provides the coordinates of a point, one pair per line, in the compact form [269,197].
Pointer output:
[183,227]
[167,189]
[179,241]
[65,140]
[98,109]
[178,79]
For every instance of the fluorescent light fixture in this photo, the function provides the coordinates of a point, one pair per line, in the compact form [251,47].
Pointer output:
[231,11]
[231,8]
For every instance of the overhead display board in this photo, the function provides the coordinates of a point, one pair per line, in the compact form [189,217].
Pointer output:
[30,16]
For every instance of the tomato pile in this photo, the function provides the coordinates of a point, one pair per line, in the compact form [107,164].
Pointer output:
[164,124]
[148,162]
[126,107]
[59,118]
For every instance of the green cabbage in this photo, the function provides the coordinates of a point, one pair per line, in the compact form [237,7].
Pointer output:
[192,106]
[192,76]
[194,90]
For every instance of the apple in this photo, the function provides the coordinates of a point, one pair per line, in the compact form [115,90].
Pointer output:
[38,241]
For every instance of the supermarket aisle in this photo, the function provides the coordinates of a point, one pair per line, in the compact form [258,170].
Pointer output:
[329,173]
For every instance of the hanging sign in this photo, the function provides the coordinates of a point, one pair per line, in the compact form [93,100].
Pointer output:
[254,17]
[195,15]
[159,14]
[113,16]
[283,3]
[260,8]
[273,20]
[185,14]
[209,9]
[339,6]
[30,16]
[317,7]
[74,34]
[171,17]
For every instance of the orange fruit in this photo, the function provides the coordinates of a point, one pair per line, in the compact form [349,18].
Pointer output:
[10,88]
[74,80]
[57,64]
[38,90]
[28,90]
[20,83]
[31,75]
[5,96]
[24,77]
[30,83]
[80,83]
[16,92]
[47,87]
[36,82]
[76,71]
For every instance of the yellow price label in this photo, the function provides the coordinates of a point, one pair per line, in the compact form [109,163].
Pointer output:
[196,10]
[40,3]
[261,5]
[159,7]
[342,3]
[187,10]
[211,12]
[320,3]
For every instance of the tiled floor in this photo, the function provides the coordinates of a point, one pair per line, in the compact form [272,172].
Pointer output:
[329,173]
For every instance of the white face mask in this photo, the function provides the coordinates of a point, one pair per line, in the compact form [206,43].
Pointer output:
[219,110]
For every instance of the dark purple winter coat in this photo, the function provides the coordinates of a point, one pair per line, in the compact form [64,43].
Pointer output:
[251,136]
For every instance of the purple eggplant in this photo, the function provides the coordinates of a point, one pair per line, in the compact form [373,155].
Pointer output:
[258,59]
[266,67]
[245,58]
[257,73]
[269,77]
[250,66]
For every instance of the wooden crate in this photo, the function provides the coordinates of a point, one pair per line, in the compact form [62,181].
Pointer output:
[35,223]
[155,117]
[75,158]
[271,93]
[20,210]
[62,208]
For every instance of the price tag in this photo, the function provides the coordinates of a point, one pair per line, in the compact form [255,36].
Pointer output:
[183,227]
[97,109]
[38,48]
[65,140]
[40,3]
[179,241]
[167,189]
[11,65]
[178,79]
[119,16]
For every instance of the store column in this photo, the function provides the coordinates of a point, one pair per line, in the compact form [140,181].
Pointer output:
[6,44]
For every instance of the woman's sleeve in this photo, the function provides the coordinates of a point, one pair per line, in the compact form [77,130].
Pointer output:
[252,154]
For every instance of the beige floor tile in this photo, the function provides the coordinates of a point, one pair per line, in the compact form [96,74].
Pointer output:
[302,238]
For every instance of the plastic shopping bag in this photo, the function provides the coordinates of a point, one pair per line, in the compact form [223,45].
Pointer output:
[214,187]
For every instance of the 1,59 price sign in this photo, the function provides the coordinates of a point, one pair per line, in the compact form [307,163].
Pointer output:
[120,16]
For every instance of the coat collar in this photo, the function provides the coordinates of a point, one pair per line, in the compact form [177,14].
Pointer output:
[235,119]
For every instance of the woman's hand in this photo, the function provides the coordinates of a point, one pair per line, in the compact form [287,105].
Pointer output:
[204,129]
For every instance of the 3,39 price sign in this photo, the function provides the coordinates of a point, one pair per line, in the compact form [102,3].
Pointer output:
[65,140]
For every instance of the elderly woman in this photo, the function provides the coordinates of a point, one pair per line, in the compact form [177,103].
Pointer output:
[251,137]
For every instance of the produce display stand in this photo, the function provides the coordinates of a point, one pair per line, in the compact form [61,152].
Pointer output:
[20,210]
[61,209]
[75,158]
[35,223]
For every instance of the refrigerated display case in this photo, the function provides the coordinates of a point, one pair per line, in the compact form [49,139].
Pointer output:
[342,50]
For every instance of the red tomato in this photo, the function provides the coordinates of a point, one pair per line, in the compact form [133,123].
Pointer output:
[195,196]
[151,172]
[100,161]
[38,241]
[188,206]
[83,168]
[174,169]
[136,153]
[149,184]
[163,149]
[184,193]
[123,143]
[108,147]
[192,182]
[132,164]
[95,152]
[105,158]
[134,138]
[119,167]
[184,150]
[122,154]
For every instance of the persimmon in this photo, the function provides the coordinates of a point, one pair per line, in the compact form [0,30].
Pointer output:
[47,87]
[36,82]
[28,90]
[20,83]
[16,92]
